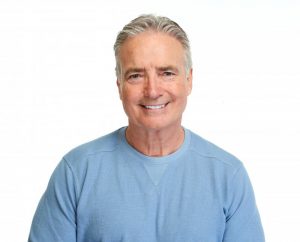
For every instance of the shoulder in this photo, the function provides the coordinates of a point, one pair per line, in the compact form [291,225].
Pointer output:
[213,153]
[106,143]
[222,167]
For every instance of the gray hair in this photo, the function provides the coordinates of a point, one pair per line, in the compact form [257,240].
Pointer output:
[148,22]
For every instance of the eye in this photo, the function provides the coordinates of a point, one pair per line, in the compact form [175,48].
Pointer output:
[134,77]
[168,73]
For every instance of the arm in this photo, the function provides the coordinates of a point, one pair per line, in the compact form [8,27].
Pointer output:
[242,216]
[55,217]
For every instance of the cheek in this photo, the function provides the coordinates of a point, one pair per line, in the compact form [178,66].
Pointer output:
[130,97]
[180,92]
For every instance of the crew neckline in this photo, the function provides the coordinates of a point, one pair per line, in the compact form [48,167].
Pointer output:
[156,159]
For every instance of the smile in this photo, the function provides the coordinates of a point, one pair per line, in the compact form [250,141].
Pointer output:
[153,107]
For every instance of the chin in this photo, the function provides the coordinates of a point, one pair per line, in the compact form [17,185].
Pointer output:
[157,126]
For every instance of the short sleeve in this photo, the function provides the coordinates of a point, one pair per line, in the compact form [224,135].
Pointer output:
[55,217]
[242,217]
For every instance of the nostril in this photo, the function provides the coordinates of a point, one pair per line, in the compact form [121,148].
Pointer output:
[152,91]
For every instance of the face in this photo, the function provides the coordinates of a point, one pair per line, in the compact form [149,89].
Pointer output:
[153,84]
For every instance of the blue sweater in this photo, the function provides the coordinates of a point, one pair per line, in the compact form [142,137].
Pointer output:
[106,191]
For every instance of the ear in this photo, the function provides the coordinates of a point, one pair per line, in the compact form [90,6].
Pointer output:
[119,85]
[189,79]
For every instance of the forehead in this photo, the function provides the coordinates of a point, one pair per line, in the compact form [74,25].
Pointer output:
[151,48]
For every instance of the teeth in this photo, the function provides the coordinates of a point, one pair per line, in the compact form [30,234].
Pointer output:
[154,106]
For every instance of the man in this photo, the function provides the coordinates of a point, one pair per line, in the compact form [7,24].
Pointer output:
[152,180]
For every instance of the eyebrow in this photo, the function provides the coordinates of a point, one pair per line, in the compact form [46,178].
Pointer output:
[163,68]
[132,70]
[167,68]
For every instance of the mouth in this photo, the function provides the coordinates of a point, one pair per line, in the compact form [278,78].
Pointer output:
[155,107]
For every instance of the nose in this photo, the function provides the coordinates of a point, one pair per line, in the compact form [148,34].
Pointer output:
[152,87]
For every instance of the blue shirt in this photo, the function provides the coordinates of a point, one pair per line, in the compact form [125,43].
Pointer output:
[106,191]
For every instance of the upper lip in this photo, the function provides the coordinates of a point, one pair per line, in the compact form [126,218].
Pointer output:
[154,104]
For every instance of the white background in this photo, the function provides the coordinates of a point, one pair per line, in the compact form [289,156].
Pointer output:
[57,90]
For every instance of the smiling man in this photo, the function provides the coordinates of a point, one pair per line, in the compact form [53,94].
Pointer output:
[154,83]
[152,180]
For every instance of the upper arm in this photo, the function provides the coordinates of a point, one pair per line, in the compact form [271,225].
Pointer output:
[242,216]
[55,217]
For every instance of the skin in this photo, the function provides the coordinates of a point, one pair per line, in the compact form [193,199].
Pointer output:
[153,87]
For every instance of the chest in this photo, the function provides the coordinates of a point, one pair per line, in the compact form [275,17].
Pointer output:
[125,205]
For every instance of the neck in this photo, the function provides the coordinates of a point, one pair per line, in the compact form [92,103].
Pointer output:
[155,142]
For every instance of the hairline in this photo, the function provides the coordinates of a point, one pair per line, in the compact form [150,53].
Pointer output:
[153,31]
[155,24]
